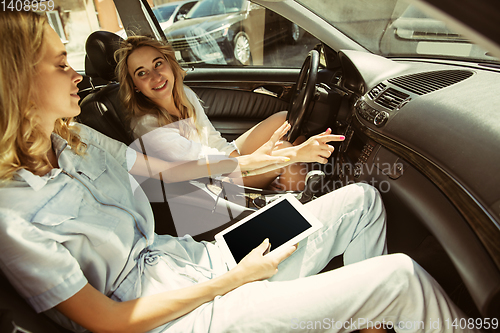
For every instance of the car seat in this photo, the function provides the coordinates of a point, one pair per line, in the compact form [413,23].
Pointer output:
[102,109]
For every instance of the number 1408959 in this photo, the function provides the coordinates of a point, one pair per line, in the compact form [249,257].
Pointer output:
[27,5]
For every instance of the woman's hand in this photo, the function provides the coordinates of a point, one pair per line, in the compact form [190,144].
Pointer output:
[316,148]
[259,265]
[273,142]
[262,160]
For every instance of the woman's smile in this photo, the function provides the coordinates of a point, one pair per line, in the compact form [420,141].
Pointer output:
[161,86]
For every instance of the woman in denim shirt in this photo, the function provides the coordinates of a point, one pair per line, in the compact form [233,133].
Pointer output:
[79,245]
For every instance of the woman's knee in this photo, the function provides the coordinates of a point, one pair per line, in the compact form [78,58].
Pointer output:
[369,197]
[370,192]
[293,177]
[281,115]
[400,269]
[277,119]
[360,195]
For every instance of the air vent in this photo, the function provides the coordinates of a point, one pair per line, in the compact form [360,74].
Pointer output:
[391,98]
[427,82]
[376,91]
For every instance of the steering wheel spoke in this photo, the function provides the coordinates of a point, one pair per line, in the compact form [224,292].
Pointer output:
[302,95]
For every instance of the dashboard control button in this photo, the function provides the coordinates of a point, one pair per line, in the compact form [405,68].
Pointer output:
[380,118]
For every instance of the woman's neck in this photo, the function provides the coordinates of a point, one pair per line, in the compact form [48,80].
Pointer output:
[173,111]
[170,107]
[51,155]
[53,164]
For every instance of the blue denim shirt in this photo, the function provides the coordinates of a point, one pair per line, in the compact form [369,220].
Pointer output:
[82,223]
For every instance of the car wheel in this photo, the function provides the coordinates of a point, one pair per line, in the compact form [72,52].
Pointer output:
[295,33]
[242,49]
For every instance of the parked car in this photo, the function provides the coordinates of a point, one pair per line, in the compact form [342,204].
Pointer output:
[421,127]
[222,32]
[168,13]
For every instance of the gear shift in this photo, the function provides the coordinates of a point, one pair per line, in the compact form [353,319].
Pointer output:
[313,179]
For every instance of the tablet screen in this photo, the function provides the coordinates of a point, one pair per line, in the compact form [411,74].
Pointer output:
[280,223]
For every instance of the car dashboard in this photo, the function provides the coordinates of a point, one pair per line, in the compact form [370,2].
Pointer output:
[424,133]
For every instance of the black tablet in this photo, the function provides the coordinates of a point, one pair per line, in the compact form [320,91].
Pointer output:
[285,222]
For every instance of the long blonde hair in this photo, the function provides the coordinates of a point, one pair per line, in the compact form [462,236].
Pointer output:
[137,102]
[22,142]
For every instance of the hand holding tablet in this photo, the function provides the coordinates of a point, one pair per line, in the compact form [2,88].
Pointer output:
[258,265]
[284,222]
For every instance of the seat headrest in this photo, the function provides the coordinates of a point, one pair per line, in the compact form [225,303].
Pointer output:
[100,48]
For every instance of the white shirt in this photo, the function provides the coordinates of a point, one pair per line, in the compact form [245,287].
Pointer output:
[180,141]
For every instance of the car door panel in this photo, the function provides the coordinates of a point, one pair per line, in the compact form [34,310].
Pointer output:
[237,99]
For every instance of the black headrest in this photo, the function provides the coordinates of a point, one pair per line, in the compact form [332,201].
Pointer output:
[100,48]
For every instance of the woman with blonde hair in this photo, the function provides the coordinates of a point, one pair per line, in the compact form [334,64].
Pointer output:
[79,246]
[23,143]
[171,115]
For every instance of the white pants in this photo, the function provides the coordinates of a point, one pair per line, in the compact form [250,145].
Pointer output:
[390,289]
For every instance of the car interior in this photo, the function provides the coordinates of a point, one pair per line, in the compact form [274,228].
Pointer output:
[421,131]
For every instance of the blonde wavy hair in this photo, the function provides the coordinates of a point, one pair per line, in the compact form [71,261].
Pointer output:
[22,142]
[137,102]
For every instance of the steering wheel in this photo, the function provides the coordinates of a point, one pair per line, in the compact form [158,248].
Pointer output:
[302,95]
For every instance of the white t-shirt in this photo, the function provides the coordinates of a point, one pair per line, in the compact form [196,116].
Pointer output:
[180,141]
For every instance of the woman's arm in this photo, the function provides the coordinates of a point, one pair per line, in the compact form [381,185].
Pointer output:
[172,172]
[315,149]
[167,143]
[96,312]
[260,161]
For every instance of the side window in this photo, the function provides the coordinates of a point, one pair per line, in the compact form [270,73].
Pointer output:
[184,10]
[202,32]
[237,33]
[74,21]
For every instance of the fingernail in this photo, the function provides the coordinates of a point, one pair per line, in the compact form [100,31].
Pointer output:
[286,159]
[342,137]
[328,129]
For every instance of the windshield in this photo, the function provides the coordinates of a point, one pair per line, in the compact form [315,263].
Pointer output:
[216,7]
[163,13]
[395,28]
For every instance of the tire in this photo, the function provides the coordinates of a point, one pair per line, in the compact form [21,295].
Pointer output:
[241,50]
